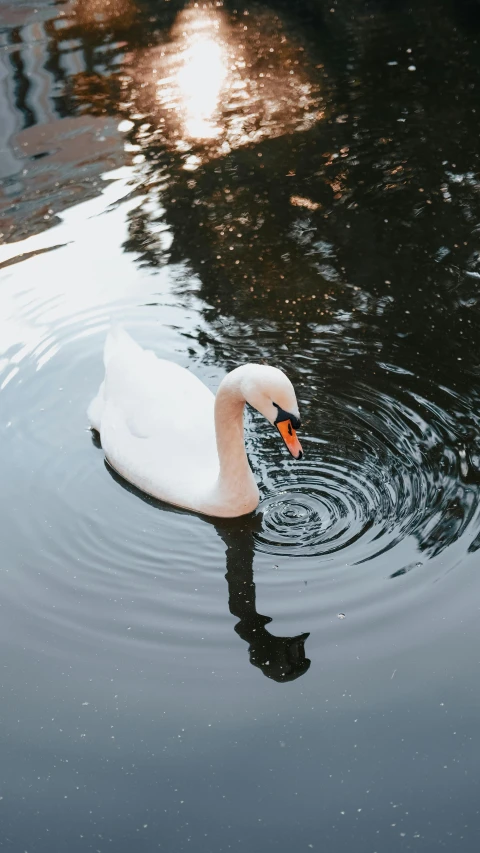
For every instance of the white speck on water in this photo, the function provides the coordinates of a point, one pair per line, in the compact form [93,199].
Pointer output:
[125,126]
[341,615]
[392,63]
[412,67]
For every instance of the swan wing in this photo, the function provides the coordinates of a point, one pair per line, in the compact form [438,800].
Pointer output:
[156,419]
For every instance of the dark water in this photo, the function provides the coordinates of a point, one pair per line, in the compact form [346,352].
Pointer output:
[289,182]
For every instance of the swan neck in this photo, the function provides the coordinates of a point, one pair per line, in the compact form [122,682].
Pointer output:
[229,408]
[236,488]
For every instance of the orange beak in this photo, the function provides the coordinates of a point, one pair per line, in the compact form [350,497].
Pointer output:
[289,436]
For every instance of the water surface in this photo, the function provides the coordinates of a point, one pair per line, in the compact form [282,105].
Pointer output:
[290,183]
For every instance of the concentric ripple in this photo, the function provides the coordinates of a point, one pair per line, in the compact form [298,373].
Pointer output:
[319,516]
[390,468]
[389,485]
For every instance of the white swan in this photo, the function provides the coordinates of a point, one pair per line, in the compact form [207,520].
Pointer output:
[166,433]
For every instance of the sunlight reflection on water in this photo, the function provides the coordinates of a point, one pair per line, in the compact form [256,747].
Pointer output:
[215,84]
[201,79]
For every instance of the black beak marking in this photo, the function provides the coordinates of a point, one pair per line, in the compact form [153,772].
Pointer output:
[287,416]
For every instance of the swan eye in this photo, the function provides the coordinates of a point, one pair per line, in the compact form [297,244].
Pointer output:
[286,416]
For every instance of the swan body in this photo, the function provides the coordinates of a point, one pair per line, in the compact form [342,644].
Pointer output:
[165,432]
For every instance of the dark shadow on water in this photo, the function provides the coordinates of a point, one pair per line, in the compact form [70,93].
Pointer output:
[279,658]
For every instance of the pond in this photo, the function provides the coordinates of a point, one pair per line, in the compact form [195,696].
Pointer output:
[289,183]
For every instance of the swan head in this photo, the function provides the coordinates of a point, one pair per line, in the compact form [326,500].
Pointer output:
[271,393]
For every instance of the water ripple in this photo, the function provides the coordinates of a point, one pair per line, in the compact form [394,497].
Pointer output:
[391,467]
[326,511]
[389,487]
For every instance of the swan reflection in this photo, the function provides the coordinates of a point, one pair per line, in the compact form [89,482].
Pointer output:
[279,658]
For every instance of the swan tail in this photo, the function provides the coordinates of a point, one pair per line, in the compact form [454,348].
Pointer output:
[117,340]
[116,344]
[95,409]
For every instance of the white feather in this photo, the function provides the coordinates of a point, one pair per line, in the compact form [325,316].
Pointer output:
[157,426]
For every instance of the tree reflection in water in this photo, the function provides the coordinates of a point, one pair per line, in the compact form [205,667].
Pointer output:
[263,173]
[319,196]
